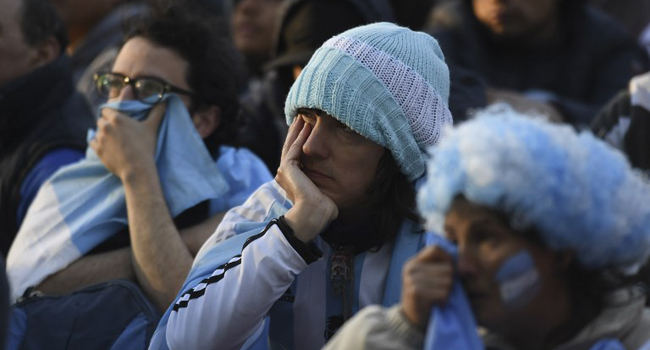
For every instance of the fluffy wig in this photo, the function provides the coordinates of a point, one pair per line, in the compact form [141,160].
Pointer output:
[573,189]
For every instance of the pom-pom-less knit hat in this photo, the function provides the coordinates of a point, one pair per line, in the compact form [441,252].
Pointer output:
[575,191]
[386,82]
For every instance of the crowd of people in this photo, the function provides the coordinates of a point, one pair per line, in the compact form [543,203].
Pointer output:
[325,174]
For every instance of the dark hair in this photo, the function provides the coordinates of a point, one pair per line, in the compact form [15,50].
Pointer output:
[40,21]
[395,196]
[215,67]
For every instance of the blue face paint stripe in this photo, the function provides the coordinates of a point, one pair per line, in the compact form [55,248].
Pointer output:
[518,279]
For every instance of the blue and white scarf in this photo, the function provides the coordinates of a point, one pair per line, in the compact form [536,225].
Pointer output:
[83,204]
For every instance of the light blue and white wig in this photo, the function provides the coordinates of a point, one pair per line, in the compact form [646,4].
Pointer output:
[573,189]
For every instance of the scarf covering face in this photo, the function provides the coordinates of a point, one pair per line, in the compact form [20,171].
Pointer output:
[83,204]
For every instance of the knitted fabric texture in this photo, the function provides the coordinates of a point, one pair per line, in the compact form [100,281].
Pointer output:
[573,189]
[385,82]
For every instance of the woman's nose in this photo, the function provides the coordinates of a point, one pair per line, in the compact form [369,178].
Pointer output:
[319,141]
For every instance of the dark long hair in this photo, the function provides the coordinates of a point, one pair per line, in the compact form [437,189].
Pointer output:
[395,196]
[40,21]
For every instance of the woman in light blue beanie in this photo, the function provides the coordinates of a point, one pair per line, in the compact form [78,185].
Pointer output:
[330,234]
[383,81]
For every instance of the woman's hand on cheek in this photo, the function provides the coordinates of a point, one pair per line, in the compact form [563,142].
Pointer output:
[312,211]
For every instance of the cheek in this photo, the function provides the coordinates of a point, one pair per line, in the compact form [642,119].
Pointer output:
[519,280]
[360,166]
[354,177]
[485,9]
[480,8]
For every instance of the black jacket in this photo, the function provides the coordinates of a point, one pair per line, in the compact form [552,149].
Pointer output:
[39,112]
[635,142]
[587,64]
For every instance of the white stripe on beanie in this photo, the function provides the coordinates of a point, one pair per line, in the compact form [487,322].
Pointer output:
[420,102]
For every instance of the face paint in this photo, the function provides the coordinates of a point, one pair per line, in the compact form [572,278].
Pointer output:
[518,279]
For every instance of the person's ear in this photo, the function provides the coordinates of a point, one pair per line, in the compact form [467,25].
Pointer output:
[207,120]
[46,51]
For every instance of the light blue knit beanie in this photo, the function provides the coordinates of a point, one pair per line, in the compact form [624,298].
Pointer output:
[386,82]
[573,189]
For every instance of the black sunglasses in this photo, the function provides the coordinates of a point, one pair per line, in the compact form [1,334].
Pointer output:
[149,90]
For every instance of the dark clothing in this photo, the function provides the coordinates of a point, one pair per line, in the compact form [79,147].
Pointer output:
[577,72]
[634,14]
[39,112]
[4,302]
[632,123]
[413,13]
[265,127]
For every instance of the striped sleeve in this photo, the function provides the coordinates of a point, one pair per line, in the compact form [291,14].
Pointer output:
[230,305]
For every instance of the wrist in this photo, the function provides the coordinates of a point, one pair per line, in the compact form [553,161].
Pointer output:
[404,329]
[307,250]
[137,173]
[411,319]
[305,222]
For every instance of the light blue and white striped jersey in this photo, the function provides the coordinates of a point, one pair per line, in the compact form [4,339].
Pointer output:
[249,287]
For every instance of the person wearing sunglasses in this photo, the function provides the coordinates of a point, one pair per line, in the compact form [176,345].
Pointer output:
[175,69]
